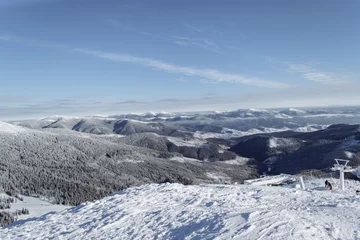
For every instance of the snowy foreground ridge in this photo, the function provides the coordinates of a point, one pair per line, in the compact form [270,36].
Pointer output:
[174,211]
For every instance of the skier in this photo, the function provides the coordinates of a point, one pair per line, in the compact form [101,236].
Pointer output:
[326,183]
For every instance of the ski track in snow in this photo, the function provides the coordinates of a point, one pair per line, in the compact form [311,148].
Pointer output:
[174,211]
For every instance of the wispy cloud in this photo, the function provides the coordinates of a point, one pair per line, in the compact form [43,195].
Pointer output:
[129,28]
[193,28]
[198,42]
[311,74]
[211,74]
[203,43]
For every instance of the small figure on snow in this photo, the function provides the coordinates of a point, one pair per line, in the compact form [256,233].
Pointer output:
[357,192]
[328,184]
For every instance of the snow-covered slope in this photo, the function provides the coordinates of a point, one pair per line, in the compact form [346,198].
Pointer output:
[10,128]
[36,206]
[174,211]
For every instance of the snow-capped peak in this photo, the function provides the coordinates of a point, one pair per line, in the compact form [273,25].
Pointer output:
[296,110]
[257,110]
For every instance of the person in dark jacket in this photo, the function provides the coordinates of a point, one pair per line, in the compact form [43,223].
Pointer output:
[328,184]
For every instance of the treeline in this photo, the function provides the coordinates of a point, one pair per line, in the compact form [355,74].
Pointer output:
[71,168]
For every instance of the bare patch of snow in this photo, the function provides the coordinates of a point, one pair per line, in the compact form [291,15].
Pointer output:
[128,160]
[349,154]
[183,159]
[237,161]
[193,142]
[220,177]
[281,142]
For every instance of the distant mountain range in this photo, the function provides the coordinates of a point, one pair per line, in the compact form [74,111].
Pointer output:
[222,124]
[75,159]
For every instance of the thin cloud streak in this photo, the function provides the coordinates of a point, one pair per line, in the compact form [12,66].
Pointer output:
[311,74]
[133,29]
[198,42]
[212,74]
[203,43]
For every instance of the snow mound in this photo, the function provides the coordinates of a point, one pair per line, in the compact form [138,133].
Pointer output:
[275,142]
[174,211]
[10,128]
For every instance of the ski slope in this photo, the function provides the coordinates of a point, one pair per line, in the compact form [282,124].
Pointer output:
[174,211]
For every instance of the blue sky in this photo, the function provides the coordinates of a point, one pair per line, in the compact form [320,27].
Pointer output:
[86,57]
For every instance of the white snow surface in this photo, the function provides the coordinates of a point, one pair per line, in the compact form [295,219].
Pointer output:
[296,110]
[227,133]
[281,142]
[349,154]
[174,211]
[36,206]
[237,161]
[10,128]
[194,142]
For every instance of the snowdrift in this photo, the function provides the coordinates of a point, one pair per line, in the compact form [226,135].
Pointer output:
[174,211]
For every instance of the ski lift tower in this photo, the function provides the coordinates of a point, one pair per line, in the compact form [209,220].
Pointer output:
[341,166]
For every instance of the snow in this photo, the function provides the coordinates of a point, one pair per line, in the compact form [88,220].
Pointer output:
[258,110]
[128,160]
[36,206]
[296,110]
[310,128]
[183,159]
[281,142]
[268,180]
[227,133]
[10,128]
[237,161]
[194,142]
[282,116]
[221,177]
[174,211]
[349,154]
[329,115]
